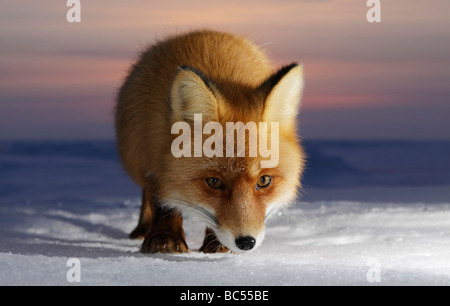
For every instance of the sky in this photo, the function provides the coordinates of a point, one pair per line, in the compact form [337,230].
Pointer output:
[387,80]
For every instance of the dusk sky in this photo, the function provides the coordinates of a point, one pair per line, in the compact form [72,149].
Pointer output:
[388,80]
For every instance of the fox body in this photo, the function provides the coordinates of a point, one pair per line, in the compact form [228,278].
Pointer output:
[225,78]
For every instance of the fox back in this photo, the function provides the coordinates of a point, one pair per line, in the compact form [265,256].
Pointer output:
[224,78]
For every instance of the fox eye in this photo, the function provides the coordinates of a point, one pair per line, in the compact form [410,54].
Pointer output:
[215,183]
[264,181]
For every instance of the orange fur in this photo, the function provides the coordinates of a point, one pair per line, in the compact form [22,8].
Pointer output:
[237,84]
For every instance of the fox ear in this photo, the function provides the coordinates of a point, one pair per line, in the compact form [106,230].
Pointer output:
[283,92]
[192,93]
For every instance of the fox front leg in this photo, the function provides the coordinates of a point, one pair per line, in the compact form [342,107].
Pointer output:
[162,230]
[166,234]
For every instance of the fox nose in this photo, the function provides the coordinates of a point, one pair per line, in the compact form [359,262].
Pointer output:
[245,243]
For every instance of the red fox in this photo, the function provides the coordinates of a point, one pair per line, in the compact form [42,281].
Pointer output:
[224,78]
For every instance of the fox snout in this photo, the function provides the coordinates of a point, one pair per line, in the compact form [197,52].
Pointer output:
[240,229]
[242,242]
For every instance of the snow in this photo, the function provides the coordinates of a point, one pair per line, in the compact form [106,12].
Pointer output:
[56,204]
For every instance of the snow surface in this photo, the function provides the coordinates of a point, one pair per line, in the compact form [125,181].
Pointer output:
[75,201]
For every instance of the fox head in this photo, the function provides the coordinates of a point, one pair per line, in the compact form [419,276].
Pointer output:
[235,195]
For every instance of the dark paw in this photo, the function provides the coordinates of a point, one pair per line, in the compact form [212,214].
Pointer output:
[164,243]
[139,232]
[213,246]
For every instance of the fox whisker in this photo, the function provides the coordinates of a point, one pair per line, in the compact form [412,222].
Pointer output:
[206,216]
[270,213]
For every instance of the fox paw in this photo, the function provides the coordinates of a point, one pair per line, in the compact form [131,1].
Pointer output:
[214,247]
[164,243]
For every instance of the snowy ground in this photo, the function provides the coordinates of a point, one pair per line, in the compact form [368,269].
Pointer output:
[356,217]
